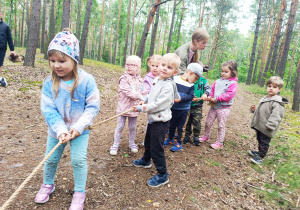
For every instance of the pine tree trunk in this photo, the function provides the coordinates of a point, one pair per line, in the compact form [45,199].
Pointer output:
[43,27]
[207,21]
[132,28]
[277,34]
[52,22]
[290,26]
[85,30]
[127,34]
[66,14]
[116,41]
[15,28]
[78,22]
[296,98]
[46,33]
[100,32]
[141,47]
[136,36]
[111,43]
[254,43]
[180,22]
[153,34]
[165,32]
[22,27]
[32,34]
[202,15]
[171,28]
[293,56]
[264,52]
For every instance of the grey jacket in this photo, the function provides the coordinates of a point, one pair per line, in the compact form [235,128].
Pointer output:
[183,53]
[269,114]
[160,100]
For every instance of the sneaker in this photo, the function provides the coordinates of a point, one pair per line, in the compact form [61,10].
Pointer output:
[186,140]
[217,145]
[168,142]
[177,147]
[203,138]
[141,163]
[43,195]
[113,150]
[253,153]
[196,141]
[257,159]
[77,201]
[3,82]
[134,148]
[158,180]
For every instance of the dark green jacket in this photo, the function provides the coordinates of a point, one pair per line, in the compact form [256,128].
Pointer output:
[201,87]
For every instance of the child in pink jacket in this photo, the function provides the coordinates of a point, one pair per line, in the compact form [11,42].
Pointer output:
[153,63]
[222,94]
[131,91]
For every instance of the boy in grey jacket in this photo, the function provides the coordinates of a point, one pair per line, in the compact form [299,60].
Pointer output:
[267,118]
[158,108]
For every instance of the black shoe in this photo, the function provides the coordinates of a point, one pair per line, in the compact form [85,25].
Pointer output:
[186,140]
[196,141]
[253,153]
[257,159]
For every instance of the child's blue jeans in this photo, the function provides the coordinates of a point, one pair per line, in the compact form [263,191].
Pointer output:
[78,159]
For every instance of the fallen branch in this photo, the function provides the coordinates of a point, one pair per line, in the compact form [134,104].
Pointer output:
[182,199]
[223,201]
[273,176]
[254,187]
[297,204]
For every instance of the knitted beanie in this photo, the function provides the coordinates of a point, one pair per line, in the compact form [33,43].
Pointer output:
[196,68]
[67,43]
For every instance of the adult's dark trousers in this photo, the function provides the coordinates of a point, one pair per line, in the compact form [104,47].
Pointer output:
[2,55]
[154,149]
[177,121]
[263,143]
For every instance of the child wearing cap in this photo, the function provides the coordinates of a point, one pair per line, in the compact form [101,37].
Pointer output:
[181,107]
[70,101]
[202,91]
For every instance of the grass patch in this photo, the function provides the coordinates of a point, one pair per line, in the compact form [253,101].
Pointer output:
[193,199]
[215,163]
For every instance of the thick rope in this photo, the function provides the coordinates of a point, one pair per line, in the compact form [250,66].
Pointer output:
[14,195]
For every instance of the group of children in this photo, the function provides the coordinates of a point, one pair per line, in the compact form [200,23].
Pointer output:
[70,101]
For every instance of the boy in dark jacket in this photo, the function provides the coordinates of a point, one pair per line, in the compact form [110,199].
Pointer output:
[267,118]
[5,37]
[202,90]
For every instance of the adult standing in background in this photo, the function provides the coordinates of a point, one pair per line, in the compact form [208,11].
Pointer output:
[188,52]
[5,37]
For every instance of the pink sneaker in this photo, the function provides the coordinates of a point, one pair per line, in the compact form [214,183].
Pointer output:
[77,201]
[43,195]
[203,138]
[217,145]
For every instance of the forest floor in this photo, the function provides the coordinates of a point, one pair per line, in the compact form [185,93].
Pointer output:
[200,178]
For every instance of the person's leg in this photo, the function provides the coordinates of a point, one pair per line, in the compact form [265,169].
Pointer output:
[173,124]
[182,115]
[147,154]
[211,116]
[132,133]
[50,165]
[222,116]
[157,136]
[197,117]
[118,133]
[188,127]
[264,144]
[79,147]
[3,82]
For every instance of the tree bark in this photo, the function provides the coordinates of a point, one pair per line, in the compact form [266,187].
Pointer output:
[254,43]
[22,27]
[180,22]
[32,34]
[46,33]
[116,41]
[132,28]
[52,22]
[202,15]
[290,26]
[293,56]
[171,28]
[85,29]
[78,22]
[43,27]
[153,34]
[127,33]
[66,14]
[100,32]
[277,33]
[141,47]
[296,98]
